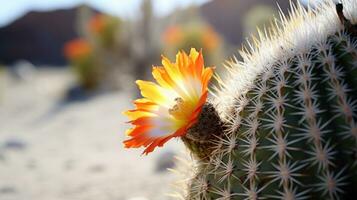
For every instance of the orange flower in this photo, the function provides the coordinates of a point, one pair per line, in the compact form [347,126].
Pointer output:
[210,39]
[173,35]
[173,105]
[77,48]
[97,23]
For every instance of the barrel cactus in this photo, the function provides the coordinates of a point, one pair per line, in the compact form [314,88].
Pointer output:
[285,125]
[281,124]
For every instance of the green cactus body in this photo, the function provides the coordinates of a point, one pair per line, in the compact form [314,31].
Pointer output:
[289,112]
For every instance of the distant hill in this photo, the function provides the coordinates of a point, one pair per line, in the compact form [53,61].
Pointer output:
[227,15]
[38,37]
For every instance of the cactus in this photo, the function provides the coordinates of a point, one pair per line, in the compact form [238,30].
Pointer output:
[80,54]
[104,28]
[283,123]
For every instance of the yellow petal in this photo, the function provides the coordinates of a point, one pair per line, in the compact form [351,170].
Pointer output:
[171,69]
[156,93]
[162,77]
[206,77]
[136,114]
[182,62]
[193,54]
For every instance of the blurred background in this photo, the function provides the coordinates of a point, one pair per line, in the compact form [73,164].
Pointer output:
[67,71]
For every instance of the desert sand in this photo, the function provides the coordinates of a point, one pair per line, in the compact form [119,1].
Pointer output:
[50,150]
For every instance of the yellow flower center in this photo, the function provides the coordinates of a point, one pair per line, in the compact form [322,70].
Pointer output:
[181,110]
[176,108]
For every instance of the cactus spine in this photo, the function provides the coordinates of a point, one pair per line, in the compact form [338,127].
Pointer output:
[289,112]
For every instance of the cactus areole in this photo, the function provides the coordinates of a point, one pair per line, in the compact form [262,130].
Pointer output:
[282,123]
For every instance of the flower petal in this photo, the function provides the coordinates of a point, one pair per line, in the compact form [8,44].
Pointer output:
[135,114]
[206,77]
[163,78]
[156,93]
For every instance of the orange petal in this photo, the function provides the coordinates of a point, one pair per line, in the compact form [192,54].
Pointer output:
[142,121]
[206,77]
[196,63]
[137,141]
[152,143]
[162,78]
[200,103]
[182,62]
[151,147]
[145,105]
[135,114]
[144,101]
[199,64]
[138,130]
[170,68]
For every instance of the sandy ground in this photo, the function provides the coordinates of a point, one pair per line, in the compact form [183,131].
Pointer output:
[54,151]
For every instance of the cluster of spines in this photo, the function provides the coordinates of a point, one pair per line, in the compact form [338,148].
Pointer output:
[292,133]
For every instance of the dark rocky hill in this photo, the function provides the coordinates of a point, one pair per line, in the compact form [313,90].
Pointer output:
[38,37]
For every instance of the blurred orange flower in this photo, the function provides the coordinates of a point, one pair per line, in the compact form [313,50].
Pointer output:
[97,23]
[173,35]
[199,36]
[210,38]
[77,48]
[171,106]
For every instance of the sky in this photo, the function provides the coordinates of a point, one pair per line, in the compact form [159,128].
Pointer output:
[12,9]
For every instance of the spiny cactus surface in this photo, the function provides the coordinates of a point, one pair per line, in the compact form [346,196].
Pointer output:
[287,124]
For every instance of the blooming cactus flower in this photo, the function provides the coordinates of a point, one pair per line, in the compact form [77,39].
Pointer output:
[77,49]
[173,35]
[170,106]
[97,23]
